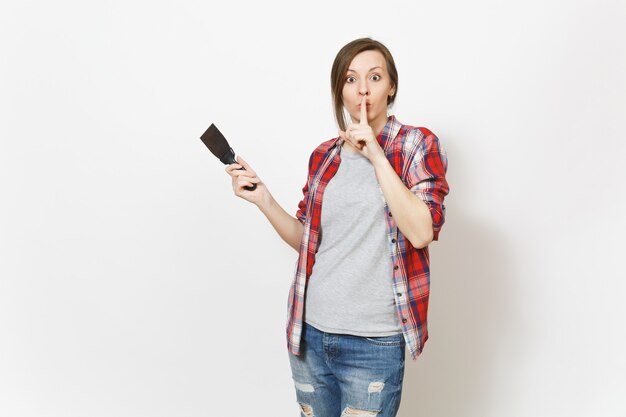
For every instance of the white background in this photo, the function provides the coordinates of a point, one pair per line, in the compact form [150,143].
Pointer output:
[134,283]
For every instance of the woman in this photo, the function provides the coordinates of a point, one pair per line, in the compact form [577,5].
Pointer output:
[363,260]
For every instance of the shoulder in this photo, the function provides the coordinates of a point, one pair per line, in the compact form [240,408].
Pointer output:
[408,135]
[418,147]
[425,131]
[325,146]
[418,132]
[415,139]
[320,152]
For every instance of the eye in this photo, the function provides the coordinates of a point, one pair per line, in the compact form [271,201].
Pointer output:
[349,78]
[376,75]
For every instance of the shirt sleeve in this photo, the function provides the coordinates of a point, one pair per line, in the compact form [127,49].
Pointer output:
[301,213]
[427,179]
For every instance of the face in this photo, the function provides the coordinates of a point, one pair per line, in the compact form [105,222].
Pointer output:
[367,75]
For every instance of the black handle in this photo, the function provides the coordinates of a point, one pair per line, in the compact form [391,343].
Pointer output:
[229,158]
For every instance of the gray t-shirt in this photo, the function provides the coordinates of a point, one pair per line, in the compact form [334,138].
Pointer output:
[350,289]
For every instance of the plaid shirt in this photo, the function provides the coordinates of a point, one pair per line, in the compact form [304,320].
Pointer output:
[421,163]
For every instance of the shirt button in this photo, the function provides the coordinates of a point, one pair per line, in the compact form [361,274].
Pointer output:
[393,241]
[399,294]
[396,267]
[390,214]
[404,320]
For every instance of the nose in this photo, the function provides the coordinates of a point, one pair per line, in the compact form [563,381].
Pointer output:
[363,88]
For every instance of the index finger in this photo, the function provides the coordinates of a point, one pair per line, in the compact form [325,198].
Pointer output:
[363,120]
[245,165]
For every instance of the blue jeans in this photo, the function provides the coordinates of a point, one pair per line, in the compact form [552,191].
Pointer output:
[343,375]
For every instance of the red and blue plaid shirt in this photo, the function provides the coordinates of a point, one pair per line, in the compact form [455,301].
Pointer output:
[421,163]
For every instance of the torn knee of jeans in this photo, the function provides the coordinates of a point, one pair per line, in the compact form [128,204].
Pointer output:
[304,387]
[306,410]
[375,386]
[353,412]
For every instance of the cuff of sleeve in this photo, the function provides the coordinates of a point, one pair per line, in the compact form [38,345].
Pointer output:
[438,214]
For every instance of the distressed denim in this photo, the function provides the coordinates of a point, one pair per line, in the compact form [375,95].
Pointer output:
[344,375]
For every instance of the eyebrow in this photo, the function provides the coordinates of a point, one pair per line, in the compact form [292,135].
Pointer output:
[368,71]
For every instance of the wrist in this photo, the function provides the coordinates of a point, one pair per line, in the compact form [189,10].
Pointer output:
[380,162]
[266,202]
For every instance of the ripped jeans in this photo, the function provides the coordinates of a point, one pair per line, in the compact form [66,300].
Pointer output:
[349,376]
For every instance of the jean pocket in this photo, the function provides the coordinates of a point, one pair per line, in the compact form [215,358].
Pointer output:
[393,340]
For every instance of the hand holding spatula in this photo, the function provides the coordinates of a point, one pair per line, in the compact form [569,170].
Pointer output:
[218,145]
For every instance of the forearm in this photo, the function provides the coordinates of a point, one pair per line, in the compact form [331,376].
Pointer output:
[411,214]
[289,228]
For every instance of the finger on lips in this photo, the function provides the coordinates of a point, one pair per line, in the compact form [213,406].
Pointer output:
[363,120]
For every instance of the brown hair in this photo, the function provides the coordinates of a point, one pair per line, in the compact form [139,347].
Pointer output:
[340,68]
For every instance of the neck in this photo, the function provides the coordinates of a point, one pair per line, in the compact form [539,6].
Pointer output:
[379,125]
